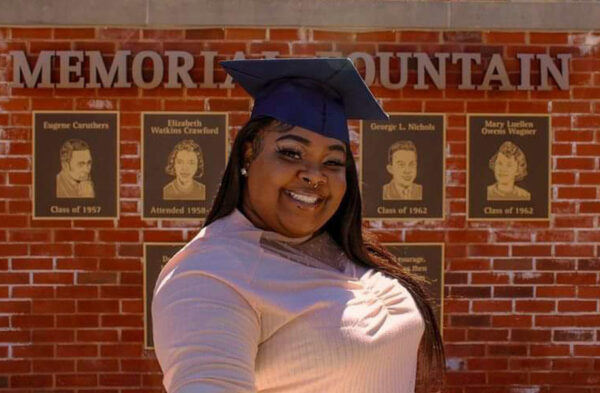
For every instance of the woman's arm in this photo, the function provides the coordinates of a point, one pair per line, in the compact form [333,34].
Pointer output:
[205,335]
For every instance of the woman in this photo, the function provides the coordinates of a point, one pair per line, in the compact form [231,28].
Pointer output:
[509,166]
[185,163]
[279,292]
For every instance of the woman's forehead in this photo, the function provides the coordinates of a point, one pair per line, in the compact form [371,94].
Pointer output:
[307,137]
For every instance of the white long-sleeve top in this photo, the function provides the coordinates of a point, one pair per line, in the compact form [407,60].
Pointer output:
[230,316]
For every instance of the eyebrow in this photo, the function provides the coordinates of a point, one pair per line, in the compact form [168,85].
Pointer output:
[306,142]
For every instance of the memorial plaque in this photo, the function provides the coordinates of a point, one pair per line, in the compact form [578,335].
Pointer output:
[424,260]
[75,165]
[156,256]
[402,167]
[508,165]
[184,156]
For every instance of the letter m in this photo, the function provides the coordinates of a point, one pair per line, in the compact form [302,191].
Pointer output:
[24,77]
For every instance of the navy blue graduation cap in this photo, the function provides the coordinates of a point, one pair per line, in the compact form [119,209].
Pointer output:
[316,94]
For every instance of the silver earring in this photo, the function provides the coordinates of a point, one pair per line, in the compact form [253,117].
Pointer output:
[244,172]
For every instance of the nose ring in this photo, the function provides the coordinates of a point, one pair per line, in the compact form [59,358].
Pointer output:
[313,185]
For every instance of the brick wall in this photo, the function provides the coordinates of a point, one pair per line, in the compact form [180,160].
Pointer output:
[522,299]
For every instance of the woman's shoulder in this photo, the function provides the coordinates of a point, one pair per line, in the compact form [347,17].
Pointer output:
[218,252]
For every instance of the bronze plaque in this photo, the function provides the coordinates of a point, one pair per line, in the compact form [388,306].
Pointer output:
[75,165]
[156,256]
[184,156]
[508,165]
[402,167]
[424,260]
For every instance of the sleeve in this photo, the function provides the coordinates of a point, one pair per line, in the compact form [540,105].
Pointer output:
[205,335]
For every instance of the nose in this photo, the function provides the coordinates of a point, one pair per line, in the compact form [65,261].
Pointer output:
[312,176]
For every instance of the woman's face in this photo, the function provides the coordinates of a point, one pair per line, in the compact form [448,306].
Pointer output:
[505,169]
[186,165]
[278,196]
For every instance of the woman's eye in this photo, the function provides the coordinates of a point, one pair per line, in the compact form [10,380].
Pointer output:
[290,153]
[335,163]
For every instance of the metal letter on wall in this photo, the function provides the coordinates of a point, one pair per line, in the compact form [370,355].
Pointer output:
[75,165]
[424,260]
[402,167]
[184,156]
[156,256]
[508,167]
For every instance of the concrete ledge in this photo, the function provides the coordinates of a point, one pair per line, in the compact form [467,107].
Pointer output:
[334,14]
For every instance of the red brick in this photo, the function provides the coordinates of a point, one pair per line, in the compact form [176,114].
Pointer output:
[491,306]
[503,37]
[259,48]
[32,292]
[549,38]
[118,33]
[577,192]
[513,291]
[52,335]
[97,365]
[98,335]
[555,291]
[76,351]
[14,163]
[533,278]
[77,292]
[245,34]
[74,33]
[574,222]
[14,366]
[488,250]
[286,34]
[419,36]
[96,278]
[580,250]
[513,264]
[76,380]
[577,306]
[50,249]
[118,236]
[53,306]
[94,250]
[465,350]
[587,149]
[31,381]
[170,34]
[76,264]
[507,350]
[23,32]
[310,48]
[535,306]
[205,34]
[53,278]
[575,163]
[554,236]
[13,249]
[489,278]
[32,321]
[573,335]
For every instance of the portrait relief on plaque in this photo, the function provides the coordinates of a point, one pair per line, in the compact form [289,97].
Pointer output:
[75,165]
[184,155]
[402,167]
[424,260]
[156,256]
[508,167]
[186,165]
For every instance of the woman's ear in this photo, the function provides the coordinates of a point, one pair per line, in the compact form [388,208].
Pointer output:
[248,153]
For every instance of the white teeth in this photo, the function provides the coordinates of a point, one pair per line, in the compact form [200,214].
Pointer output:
[303,198]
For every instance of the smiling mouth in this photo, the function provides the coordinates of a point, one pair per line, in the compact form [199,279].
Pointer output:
[308,200]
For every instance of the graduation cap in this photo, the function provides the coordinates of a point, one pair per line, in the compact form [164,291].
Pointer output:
[316,94]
